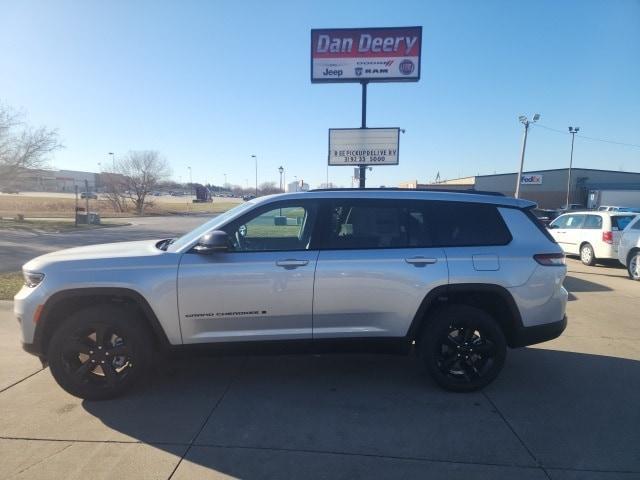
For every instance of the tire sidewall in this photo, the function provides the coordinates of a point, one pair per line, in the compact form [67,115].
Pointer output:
[636,256]
[122,319]
[592,256]
[439,325]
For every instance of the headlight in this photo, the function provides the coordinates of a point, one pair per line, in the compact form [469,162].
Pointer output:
[32,279]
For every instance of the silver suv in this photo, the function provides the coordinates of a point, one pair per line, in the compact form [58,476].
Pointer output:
[455,277]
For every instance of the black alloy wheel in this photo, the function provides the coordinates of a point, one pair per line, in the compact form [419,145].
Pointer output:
[463,348]
[99,352]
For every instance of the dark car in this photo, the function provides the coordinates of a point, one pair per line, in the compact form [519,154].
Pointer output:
[89,195]
[545,216]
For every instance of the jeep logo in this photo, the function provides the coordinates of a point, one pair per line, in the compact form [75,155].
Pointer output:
[332,73]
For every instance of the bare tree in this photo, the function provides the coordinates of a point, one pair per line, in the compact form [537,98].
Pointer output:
[114,190]
[268,188]
[140,172]
[22,147]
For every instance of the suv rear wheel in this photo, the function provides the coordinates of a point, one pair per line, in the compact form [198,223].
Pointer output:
[99,352]
[462,348]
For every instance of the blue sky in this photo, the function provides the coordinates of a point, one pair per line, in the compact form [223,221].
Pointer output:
[208,83]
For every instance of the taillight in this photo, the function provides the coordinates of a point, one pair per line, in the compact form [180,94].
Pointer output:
[550,259]
[607,237]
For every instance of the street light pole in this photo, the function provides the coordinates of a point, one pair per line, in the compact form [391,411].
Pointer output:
[281,170]
[190,182]
[113,161]
[526,122]
[256,157]
[573,132]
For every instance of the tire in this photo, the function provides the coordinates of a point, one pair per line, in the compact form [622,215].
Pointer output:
[463,348]
[633,266]
[102,335]
[587,256]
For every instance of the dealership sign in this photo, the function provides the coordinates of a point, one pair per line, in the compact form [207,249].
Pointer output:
[531,180]
[363,146]
[366,54]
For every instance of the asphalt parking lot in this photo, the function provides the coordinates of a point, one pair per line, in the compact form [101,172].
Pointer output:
[566,409]
[19,246]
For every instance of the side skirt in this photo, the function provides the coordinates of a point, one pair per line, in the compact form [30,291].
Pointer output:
[394,346]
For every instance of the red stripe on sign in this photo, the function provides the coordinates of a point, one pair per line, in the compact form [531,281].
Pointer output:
[366,42]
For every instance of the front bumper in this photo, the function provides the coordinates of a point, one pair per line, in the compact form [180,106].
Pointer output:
[524,336]
[34,350]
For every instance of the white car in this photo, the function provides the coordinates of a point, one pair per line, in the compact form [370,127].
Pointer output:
[629,249]
[591,235]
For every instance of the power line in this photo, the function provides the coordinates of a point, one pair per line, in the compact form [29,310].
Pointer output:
[586,137]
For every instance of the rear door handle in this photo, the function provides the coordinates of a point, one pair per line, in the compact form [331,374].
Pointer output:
[420,261]
[291,263]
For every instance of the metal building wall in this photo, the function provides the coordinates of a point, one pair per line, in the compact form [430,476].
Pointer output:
[553,190]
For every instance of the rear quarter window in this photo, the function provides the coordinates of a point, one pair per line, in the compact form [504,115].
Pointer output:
[460,224]
[620,222]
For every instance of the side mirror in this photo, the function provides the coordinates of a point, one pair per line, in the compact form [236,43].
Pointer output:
[216,241]
[551,226]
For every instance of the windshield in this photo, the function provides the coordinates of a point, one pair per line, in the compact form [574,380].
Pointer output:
[212,224]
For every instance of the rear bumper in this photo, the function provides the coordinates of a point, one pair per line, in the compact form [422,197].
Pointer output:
[524,336]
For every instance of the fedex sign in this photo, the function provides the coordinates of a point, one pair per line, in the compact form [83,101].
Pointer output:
[531,180]
[366,54]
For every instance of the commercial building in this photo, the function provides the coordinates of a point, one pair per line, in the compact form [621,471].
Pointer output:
[40,180]
[548,187]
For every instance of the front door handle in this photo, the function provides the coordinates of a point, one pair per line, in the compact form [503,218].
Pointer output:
[420,261]
[291,263]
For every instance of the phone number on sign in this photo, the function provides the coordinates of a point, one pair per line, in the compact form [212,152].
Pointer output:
[364,159]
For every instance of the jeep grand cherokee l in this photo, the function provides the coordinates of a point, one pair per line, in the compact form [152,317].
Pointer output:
[455,277]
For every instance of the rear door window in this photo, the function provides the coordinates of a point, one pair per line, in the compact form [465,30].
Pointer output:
[593,222]
[371,224]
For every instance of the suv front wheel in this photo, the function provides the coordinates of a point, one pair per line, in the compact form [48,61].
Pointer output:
[462,348]
[587,256]
[99,352]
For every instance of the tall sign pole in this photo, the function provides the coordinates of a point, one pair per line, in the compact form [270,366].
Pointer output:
[363,168]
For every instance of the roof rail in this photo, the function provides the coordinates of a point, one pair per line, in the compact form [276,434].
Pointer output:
[395,189]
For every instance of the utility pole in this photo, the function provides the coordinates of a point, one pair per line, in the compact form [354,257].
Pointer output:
[525,121]
[86,189]
[573,132]
[256,158]
[76,216]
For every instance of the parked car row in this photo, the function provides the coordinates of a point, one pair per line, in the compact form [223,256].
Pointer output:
[600,235]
